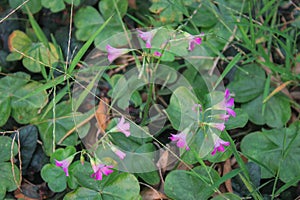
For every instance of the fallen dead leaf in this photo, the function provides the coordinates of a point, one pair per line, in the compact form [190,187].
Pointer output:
[152,194]
[226,169]
[102,115]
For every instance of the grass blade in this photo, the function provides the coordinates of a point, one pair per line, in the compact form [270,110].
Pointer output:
[85,47]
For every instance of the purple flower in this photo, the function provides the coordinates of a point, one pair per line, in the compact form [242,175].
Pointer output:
[181,140]
[147,37]
[220,126]
[100,169]
[157,53]
[123,127]
[193,41]
[118,152]
[229,102]
[114,53]
[64,164]
[226,104]
[219,145]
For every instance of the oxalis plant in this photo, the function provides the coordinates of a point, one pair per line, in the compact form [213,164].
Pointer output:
[130,103]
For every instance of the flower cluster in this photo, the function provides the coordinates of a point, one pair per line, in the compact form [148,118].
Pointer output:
[114,53]
[225,105]
[98,167]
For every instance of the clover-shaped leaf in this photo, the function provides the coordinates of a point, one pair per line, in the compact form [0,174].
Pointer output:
[9,178]
[13,89]
[55,177]
[277,149]
[184,185]
[87,20]
[120,186]
[35,55]
[277,111]
[6,144]
[248,83]
[34,6]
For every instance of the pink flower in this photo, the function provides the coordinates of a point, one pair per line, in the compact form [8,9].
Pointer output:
[181,140]
[192,41]
[114,53]
[147,37]
[229,102]
[118,152]
[220,126]
[223,117]
[100,169]
[123,127]
[64,164]
[226,104]
[196,107]
[157,54]
[219,145]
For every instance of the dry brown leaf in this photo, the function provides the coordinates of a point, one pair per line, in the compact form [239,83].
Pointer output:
[132,4]
[102,114]
[30,191]
[226,169]
[162,163]
[152,194]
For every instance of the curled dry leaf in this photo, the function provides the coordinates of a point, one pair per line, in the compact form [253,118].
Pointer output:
[102,115]
[226,169]
[152,194]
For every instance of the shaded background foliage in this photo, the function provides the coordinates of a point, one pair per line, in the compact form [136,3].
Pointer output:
[254,44]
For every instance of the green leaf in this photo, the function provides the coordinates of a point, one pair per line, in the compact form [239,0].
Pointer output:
[55,177]
[197,81]
[8,179]
[226,196]
[61,154]
[75,2]
[83,193]
[85,47]
[38,55]
[33,5]
[20,41]
[28,142]
[182,185]
[204,17]
[43,57]
[239,121]
[167,11]
[254,173]
[64,122]
[6,145]
[248,83]
[24,110]
[87,20]
[275,150]
[5,109]
[122,186]
[8,85]
[150,175]
[113,35]
[108,8]
[54,5]
[277,111]
[180,110]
